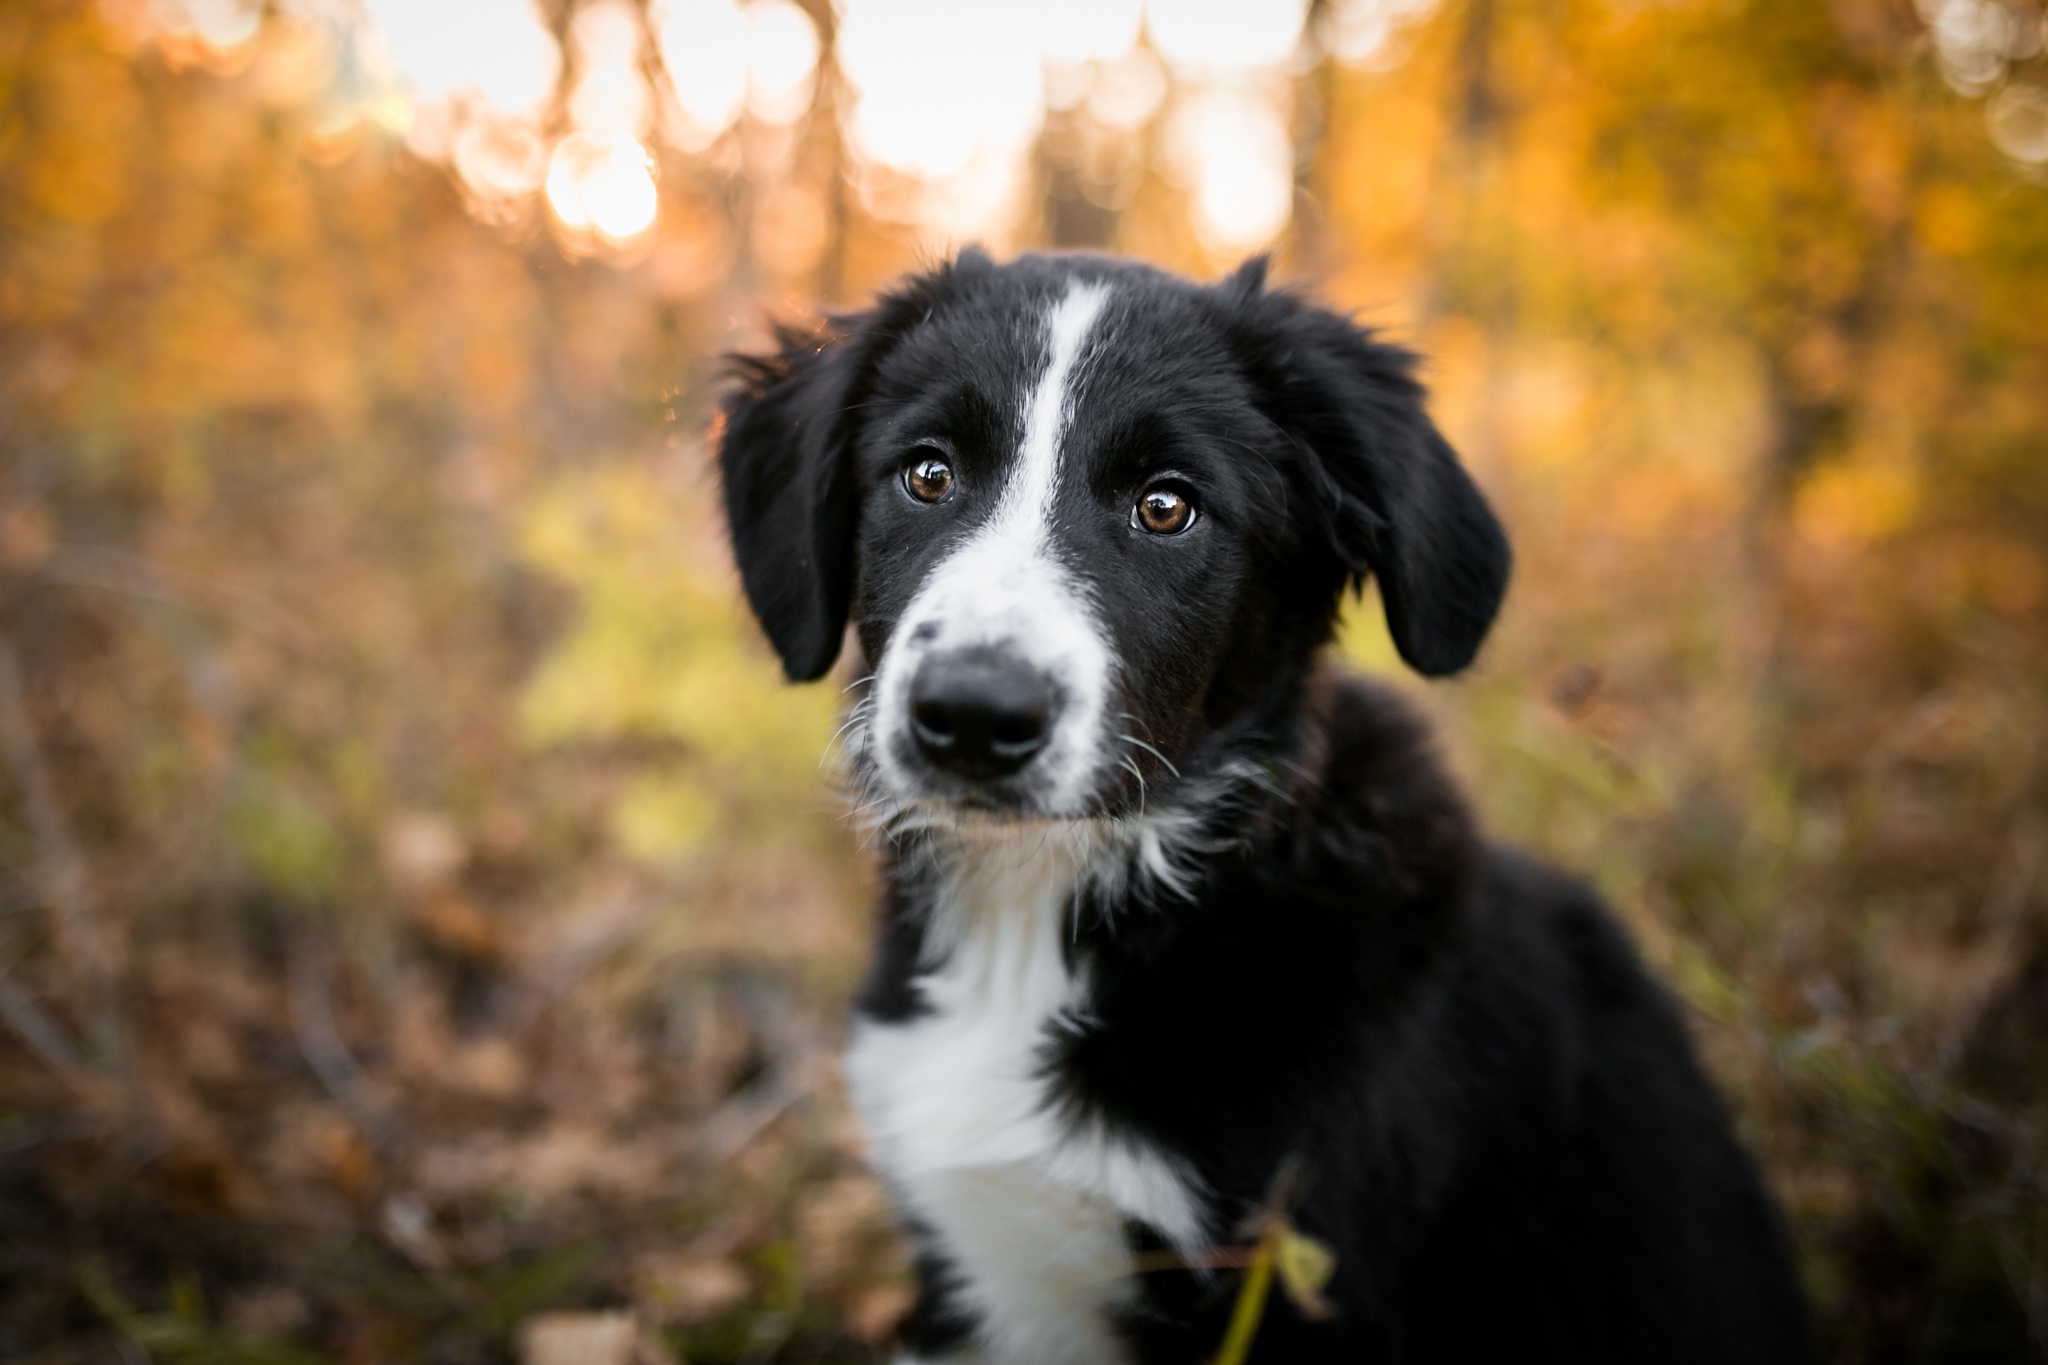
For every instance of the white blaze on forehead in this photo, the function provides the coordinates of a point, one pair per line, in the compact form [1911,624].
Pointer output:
[1036,480]
[1004,587]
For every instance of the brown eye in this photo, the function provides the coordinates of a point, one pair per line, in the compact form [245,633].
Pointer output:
[929,479]
[1163,510]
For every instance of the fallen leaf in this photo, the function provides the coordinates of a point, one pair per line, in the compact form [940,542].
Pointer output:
[578,1339]
[875,1315]
[689,1288]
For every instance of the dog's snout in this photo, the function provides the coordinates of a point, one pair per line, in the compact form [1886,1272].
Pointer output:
[981,714]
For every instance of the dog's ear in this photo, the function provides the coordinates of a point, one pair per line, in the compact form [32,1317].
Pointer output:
[785,455]
[1384,491]
[788,496]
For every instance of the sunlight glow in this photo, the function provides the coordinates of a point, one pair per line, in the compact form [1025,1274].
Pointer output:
[603,184]
[605,33]
[1126,93]
[1231,150]
[1975,40]
[496,50]
[297,63]
[782,60]
[704,47]
[1225,35]
[935,81]
[2018,119]
[500,159]
[943,99]
[221,25]
[1971,38]
[1360,31]
[1076,31]
[611,97]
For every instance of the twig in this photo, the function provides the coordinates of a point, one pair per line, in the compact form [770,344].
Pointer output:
[321,1043]
[732,1127]
[110,570]
[790,1079]
[590,937]
[43,1035]
[1210,1258]
[81,945]
[1251,1301]
[61,870]
[1302,1265]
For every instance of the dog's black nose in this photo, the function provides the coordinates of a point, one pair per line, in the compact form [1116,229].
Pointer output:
[980,713]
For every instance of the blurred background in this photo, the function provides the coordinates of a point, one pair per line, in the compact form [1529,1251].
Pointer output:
[424,914]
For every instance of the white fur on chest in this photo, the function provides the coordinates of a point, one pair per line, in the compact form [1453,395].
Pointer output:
[1028,1205]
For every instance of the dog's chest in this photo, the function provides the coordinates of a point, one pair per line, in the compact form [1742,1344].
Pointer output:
[1028,1204]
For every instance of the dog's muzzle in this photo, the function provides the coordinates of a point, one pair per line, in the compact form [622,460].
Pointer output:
[981,714]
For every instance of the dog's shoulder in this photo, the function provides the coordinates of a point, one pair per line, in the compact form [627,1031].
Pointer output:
[1375,805]
[1384,800]
[1534,975]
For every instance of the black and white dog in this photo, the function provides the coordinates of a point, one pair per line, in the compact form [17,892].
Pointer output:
[1171,906]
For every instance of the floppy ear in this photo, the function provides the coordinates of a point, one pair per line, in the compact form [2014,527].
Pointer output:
[785,456]
[1385,492]
[788,494]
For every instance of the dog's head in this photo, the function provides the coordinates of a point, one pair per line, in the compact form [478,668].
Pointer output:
[1086,516]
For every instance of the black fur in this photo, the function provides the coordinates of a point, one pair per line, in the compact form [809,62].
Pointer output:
[1496,1117]
[785,455]
[1505,1138]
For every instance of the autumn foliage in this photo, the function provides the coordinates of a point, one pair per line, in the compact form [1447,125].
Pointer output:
[424,912]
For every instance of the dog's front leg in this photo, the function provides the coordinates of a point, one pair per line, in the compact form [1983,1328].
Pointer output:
[939,1329]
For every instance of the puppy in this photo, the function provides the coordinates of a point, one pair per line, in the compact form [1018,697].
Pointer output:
[1172,908]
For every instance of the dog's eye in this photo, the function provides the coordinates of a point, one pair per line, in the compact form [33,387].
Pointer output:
[1164,510]
[929,479]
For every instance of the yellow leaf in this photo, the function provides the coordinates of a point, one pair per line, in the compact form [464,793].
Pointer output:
[1305,1266]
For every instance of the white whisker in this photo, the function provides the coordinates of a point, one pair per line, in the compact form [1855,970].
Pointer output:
[1126,761]
[1133,739]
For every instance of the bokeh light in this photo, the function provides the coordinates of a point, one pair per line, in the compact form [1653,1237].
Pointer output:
[603,185]
[1127,92]
[1230,148]
[782,60]
[704,50]
[1971,37]
[501,161]
[1975,41]
[221,25]
[1361,32]
[611,97]
[499,51]
[2018,119]
[1225,35]
[1075,31]
[935,82]
[943,102]
[942,108]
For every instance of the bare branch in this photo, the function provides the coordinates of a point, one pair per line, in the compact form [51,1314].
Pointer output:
[60,868]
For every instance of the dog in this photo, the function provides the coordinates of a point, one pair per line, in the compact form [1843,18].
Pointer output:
[1176,916]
